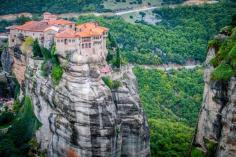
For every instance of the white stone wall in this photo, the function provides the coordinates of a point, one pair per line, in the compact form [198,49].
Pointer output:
[49,38]
[93,47]
[14,33]
[70,44]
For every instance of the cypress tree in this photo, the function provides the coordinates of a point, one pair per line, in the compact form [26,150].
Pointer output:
[36,49]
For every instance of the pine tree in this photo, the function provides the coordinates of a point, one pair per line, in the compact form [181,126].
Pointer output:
[118,58]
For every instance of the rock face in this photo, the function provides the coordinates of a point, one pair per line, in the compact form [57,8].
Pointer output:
[6,61]
[82,116]
[217,119]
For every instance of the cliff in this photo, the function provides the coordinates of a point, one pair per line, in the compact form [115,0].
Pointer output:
[216,132]
[81,115]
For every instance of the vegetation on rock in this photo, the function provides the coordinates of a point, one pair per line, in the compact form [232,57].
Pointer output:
[51,65]
[225,59]
[112,84]
[26,46]
[36,49]
[56,74]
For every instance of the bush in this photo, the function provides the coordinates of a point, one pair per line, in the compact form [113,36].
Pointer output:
[232,53]
[214,62]
[17,105]
[56,74]
[36,49]
[46,53]
[116,84]
[214,43]
[26,47]
[111,84]
[6,118]
[222,72]
[197,153]
[107,81]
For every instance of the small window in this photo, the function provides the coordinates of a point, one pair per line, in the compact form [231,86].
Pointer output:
[82,45]
[12,40]
[89,45]
[69,40]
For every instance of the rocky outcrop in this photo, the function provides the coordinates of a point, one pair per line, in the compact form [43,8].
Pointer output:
[6,61]
[81,115]
[217,119]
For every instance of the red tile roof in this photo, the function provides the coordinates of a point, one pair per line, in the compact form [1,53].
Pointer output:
[68,33]
[60,22]
[85,30]
[40,26]
[34,26]
[90,29]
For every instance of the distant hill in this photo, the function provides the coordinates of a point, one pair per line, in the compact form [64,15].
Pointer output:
[66,6]
[55,6]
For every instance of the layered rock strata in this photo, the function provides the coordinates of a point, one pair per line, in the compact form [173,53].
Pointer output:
[81,115]
[217,119]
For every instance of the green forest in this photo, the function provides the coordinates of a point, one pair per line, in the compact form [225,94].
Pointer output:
[55,6]
[171,101]
[70,6]
[181,36]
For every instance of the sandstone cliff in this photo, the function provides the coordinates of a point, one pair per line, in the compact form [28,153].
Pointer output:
[81,115]
[216,131]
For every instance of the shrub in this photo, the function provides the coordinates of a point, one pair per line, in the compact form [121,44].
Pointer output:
[36,49]
[214,43]
[6,118]
[232,53]
[17,105]
[56,74]
[107,81]
[46,68]
[222,72]
[211,147]
[111,84]
[46,53]
[214,62]
[116,84]
[197,153]
[26,47]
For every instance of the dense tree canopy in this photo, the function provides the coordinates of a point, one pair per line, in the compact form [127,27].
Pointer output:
[182,35]
[171,101]
[55,6]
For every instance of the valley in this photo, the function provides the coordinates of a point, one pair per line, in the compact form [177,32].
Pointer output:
[164,44]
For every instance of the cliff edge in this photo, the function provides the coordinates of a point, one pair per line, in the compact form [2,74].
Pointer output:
[216,130]
[82,115]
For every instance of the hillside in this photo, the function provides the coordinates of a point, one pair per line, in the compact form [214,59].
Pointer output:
[70,6]
[181,36]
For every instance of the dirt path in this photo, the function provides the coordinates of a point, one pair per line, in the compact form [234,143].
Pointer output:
[167,67]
